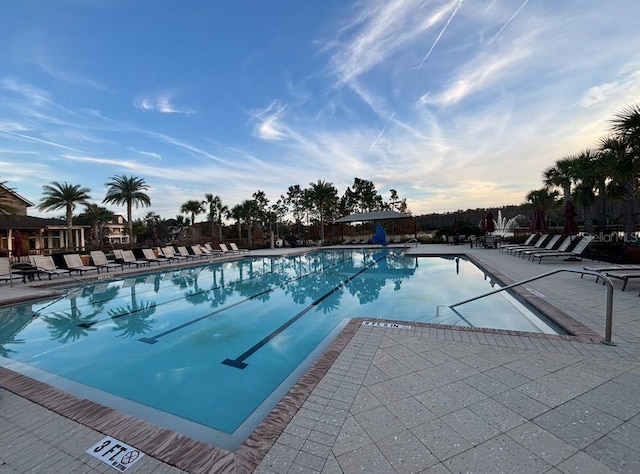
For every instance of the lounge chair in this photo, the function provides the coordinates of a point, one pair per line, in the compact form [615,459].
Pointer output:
[75,264]
[197,252]
[539,243]
[183,252]
[235,248]
[5,271]
[558,246]
[574,254]
[602,268]
[624,275]
[150,256]
[225,250]
[46,265]
[170,253]
[530,241]
[100,260]
[129,259]
[550,244]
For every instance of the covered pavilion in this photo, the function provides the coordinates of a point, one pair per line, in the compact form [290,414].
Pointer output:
[376,216]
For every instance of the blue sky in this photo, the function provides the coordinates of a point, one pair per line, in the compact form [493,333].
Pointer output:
[455,104]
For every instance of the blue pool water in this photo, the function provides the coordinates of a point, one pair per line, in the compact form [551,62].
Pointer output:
[209,350]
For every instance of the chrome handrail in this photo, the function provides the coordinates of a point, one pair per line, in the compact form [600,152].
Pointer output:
[609,303]
[409,241]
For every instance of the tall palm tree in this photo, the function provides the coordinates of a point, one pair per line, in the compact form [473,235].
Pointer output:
[626,168]
[127,190]
[323,195]
[624,177]
[585,177]
[222,211]
[64,196]
[194,208]
[212,202]
[561,175]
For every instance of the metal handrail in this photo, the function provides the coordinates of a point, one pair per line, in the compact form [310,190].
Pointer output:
[409,241]
[607,280]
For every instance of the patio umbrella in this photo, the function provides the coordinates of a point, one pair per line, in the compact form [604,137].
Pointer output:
[539,221]
[489,225]
[570,226]
[154,236]
[18,251]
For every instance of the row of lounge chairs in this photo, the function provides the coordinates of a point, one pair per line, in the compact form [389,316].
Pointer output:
[545,246]
[45,264]
[539,247]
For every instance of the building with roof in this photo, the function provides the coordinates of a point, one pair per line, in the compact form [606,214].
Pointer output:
[34,234]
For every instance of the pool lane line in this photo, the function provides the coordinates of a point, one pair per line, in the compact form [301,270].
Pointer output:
[154,339]
[239,363]
[230,284]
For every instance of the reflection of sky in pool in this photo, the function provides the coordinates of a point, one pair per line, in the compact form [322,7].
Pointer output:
[160,339]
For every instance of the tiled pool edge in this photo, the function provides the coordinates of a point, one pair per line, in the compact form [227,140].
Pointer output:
[170,447]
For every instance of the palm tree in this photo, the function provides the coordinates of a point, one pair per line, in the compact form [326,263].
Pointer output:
[213,202]
[194,208]
[626,166]
[323,195]
[561,175]
[127,190]
[97,217]
[221,212]
[585,177]
[64,196]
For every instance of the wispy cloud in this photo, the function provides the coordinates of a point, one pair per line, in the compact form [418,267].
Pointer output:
[38,140]
[267,122]
[160,102]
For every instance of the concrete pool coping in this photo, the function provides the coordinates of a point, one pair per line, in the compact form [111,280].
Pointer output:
[279,442]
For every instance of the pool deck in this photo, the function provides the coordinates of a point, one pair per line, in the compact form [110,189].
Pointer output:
[382,399]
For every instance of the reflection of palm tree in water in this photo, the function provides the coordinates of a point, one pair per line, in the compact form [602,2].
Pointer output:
[133,319]
[70,326]
[12,320]
[195,295]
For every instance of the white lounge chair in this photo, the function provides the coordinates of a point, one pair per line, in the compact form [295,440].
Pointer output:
[100,260]
[183,252]
[530,241]
[225,250]
[170,253]
[5,271]
[235,248]
[75,264]
[46,265]
[129,259]
[548,245]
[150,256]
[539,243]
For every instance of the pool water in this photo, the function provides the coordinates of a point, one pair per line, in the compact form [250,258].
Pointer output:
[209,350]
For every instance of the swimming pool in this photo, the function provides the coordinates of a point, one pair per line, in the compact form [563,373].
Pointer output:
[209,350]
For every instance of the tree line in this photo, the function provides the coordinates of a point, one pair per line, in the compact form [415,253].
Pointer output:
[298,207]
[594,177]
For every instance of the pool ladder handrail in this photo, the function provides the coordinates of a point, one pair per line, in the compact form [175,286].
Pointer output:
[607,281]
[409,241]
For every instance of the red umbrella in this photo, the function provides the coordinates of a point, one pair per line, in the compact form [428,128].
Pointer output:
[570,226]
[18,251]
[489,225]
[539,221]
